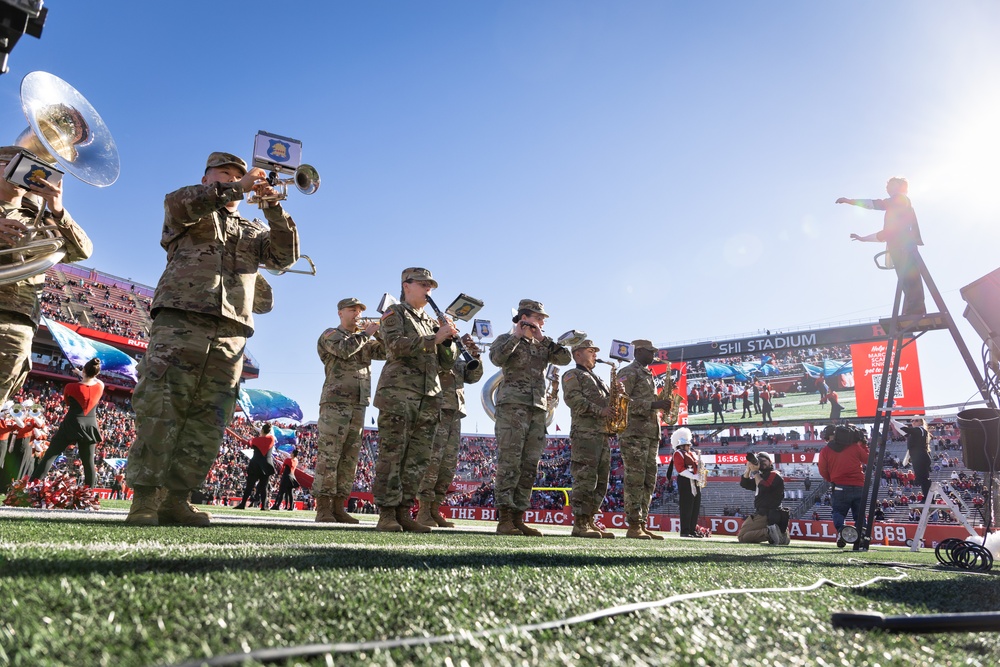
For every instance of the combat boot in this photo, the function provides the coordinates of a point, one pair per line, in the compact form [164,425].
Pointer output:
[635,530]
[424,517]
[581,527]
[324,510]
[177,510]
[606,534]
[339,513]
[518,520]
[145,501]
[436,515]
[387,521]
[652,535]
[408,524]
[506,524]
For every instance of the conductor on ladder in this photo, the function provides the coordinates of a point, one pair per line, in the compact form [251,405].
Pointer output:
[901,236]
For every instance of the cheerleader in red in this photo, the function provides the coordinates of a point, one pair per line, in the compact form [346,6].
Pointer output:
[79,426]
[688,486]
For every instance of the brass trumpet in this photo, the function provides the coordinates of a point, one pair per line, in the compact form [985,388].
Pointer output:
[305,178]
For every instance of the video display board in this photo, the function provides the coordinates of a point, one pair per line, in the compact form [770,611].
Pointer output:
[817,376]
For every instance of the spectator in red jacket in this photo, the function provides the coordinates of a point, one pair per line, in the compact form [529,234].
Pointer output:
[842,463]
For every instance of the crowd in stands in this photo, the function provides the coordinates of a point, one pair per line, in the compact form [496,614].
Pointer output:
[110,308]
[477,464]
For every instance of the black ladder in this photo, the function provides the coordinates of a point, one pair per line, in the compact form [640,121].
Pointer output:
[902,330]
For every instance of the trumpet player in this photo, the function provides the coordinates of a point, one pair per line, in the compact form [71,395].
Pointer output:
[202,316]
[347,352]
[408,397]
[640,441]
[447,436]
[522,402]
[590,460]
[20,310]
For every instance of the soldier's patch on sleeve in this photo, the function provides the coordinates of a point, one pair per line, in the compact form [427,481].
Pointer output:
[391,319]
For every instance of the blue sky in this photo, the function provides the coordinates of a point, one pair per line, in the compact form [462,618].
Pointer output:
[660,170]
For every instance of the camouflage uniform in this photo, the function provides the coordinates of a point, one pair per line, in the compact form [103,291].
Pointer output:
[189,377]
[347,358]
[20,311]
[409,402]
[520,415]
[590,461]
[639,442]
[444,457]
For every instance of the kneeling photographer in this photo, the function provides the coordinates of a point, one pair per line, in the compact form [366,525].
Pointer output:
[769,521]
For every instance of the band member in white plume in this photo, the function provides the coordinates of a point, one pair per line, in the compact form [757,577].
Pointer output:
[688,485]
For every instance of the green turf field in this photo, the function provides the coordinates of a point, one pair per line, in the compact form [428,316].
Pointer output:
[86,590]
[801,407]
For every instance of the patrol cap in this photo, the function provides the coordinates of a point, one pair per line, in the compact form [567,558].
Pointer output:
[643,344]
[586,344]
[350,301]
[533,306]
[7,153]
[219,159]
[418,273]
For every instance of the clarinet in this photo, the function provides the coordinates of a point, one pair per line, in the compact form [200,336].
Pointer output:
[470,362]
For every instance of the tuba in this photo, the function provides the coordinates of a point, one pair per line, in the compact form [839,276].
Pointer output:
[64,129]
[618,400]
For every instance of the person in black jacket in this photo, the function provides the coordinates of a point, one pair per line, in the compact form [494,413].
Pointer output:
[769,490]
[918,450]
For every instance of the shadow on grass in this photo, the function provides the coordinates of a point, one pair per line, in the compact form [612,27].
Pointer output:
[963,593]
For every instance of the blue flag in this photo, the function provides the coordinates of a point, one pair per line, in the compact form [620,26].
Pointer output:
[79,350]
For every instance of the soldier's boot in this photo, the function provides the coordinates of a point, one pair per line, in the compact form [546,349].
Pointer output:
[145,501]
[635,530]
[606,534]
[424,517]
[408,524]
[652,535]
[518,519]
[324,510]
[505,525]
[177,510]
[387,521]
[436,515]
[581,527]
[340,514]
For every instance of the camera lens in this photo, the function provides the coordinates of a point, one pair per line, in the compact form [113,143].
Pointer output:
[752,458]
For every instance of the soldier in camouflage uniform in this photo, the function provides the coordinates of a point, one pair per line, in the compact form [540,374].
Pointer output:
[444,457]
[522,355]
[347,352]
[590,463]
[202,316]
[640,441]
[408,397]
[20,310]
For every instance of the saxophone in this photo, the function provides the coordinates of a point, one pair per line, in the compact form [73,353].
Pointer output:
[669,417]
[617,401]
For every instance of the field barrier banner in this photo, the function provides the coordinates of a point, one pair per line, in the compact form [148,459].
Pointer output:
[895,534]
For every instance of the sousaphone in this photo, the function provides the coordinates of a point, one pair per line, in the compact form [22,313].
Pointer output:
[64,129]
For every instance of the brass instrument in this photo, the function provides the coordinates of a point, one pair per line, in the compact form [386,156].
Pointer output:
[305,178]
[365,322]
[64,128]
[669,393]
[618,401]
[311,271]
[471,362]
[552,397]
[702,472]
[491,387]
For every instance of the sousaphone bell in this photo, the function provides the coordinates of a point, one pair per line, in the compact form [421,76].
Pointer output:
[64,129]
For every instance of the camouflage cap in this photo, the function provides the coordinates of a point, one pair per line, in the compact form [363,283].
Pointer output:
[586,344]
[533,306]
[7,153]
[418,273]
[219,159]
[350,301]
[643,344]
